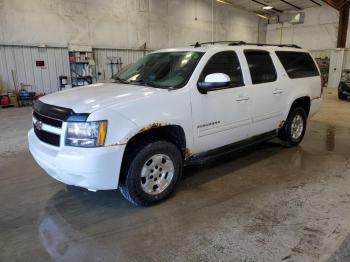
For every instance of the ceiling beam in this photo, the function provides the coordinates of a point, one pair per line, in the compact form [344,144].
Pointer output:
[336,4]
[345,2]
[331,3]
[316,3]
[286,2]
[343,24]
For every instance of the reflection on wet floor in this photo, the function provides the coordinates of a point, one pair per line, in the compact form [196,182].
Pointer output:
[330,139]
[61,227]
[75,223]
[262,202]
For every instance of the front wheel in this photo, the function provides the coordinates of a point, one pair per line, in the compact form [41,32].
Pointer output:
[294,129]
[152,172]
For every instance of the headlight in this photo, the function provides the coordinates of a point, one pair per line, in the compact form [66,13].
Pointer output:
[86,134]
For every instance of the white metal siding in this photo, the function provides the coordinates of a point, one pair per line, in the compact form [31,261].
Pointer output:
[22,60]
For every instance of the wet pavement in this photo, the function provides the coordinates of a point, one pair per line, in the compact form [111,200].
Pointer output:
[265,203]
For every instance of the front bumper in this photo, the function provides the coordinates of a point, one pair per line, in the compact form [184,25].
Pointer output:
[90,168]
[344,88]
[345,92]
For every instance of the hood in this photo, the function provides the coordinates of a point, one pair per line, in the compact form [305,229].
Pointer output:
[93,97]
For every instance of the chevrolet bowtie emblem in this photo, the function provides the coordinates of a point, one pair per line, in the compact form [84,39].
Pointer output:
[38,125]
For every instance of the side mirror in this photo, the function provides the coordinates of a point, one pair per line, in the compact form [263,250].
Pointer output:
[214,82]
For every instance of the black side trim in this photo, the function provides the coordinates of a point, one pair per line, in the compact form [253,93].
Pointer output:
[201,158]
[47,137]
[56,112]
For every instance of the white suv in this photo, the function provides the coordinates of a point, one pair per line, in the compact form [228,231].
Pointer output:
[171,108]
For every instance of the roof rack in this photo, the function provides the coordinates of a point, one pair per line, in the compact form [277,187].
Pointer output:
[238,43]
[219,42]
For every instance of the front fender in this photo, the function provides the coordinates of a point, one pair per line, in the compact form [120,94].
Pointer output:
[135,130]
[120,128]
[164,109]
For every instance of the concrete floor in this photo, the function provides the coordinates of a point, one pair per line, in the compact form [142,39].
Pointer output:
[266,203]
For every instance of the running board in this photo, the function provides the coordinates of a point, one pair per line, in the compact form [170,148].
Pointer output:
[201,158]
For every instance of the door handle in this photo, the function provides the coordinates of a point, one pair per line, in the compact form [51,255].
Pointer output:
[242,98]
[277,91]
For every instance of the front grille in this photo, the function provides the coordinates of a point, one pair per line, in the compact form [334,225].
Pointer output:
[54,116]
[48,120]
[47,137]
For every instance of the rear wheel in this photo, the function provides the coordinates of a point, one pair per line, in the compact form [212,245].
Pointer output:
[152,171]
[294,129]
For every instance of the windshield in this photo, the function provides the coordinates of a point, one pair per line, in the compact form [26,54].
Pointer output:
[161,70]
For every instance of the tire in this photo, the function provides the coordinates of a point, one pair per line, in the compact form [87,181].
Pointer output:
[151,172]
[290,134]
[341,96]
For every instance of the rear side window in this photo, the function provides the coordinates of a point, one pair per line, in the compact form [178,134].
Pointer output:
[224,62]
[261,67]
[297,64]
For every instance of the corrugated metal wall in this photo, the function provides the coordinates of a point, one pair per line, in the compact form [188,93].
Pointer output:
[103,56]
[22,61]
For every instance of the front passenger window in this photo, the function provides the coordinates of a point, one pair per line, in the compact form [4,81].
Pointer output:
[224,62]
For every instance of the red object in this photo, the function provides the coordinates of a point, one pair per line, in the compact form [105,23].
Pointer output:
[5,101]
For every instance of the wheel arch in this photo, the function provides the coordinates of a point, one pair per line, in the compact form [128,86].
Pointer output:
[169,132]
[303,102]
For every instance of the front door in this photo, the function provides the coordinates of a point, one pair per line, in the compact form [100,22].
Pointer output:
[221,117]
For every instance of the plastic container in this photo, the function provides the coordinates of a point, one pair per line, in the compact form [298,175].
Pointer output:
[5,100]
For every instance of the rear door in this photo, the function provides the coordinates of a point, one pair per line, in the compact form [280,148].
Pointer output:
[302,74]
[268,93]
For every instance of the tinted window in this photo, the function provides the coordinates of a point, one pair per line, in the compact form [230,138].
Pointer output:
[161,70]
[227,63]
[297,64]
[261,66]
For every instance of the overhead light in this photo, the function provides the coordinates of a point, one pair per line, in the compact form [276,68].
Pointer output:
[262,16]
[223,2]
[267,7]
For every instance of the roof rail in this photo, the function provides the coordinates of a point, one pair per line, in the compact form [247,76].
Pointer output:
[219,42]
[238,43]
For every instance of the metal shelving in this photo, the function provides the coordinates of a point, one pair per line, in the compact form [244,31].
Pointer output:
[82,68]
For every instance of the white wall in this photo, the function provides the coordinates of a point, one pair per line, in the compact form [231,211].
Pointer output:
[122,23]
[319,31]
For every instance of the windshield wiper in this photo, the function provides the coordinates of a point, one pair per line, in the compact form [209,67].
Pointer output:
[146,83]
[123,81]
